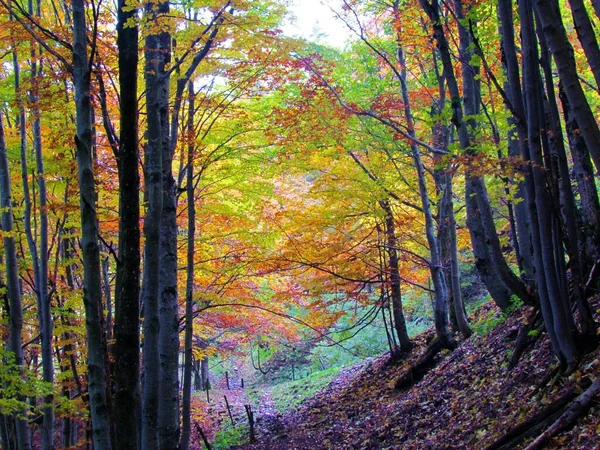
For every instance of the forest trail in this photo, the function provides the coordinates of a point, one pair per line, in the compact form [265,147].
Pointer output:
[468,401]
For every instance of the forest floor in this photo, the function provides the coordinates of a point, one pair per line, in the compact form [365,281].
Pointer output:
[467,401]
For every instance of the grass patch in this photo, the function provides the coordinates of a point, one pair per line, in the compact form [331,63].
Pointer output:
[229,436]
[291,394]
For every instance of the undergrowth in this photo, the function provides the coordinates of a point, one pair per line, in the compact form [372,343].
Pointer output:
[290,394]
[229,436]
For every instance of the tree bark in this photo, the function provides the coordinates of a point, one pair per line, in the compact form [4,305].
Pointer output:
[596,5]
[459,309]
[92,292]
[587,36]
[552,306]
[562,51]
[583,172]
[15,320]
[394,277]
[515,95]
[152,221]
[43,299]
[186,429]
[168,401]
[435,263]
[127,287]
[565,200]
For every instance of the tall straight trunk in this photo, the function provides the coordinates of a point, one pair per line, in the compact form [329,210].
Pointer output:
[44,314]
[152,221]
[92,289]
[583,172]
[478,205]
[587,36]
[15,323]
[435,263]
[562,51]
[394,277]
[515,94]
[68,246]
[564,197]
[459,309]
[471,102]
[22,426]
[127,288]
[553,310]
[168,411]
[186,429]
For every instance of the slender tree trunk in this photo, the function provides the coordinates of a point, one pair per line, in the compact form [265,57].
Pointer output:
[505,14]
[92,292]
[127,288]
[583,172]
[22,426]
[189,300]
[42,282]
[459,309]
[552,305]
[478,206]
[565,199]
[587,36]
[394,277]
[15,323]
[435,263]
[168,411]
[562,51]
[108,306]
[152,256]
[471,102]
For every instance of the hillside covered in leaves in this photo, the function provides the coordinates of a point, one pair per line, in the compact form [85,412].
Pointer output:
[471,399]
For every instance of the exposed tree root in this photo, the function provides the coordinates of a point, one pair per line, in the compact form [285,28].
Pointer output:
[524,340]
[567,419]
[425,363]
[542,387]
[535,424]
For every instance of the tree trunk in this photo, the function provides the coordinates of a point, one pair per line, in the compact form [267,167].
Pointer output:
[152,221]
[515,94]
[184,443]
[15,324]
[92,292]
[583,172]
[168,401]
[596,5]
[44,314]
[478,206]
[394,277]
[127,286]
[562,51]
[435,263]
[471,102]
[587,36]
[565,199]
[459,309]
[553,310]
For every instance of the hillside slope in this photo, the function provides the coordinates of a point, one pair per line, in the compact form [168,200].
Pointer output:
[469,400]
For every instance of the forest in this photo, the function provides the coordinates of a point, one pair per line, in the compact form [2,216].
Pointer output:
[217,234]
